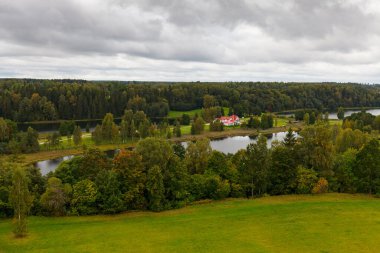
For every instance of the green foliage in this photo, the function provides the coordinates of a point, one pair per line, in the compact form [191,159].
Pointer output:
[283,169]
[343,168]
[254,122]
[256,176]
[154,151]
[6,174]
[305,180]
[177,129]
[54,139]
[56,196]
[185,120]
[77,135]
[340,113]
[129,169]
[197,155]
[209,187]
[209,101]
[367,168]
[348,138]
[216,126]
[84,197]
[36,186]
[209,114]
[197,127]
[317,149]
[290,139]
[266,121]
[155,189]
[21,201]
[306,118]
[66,127]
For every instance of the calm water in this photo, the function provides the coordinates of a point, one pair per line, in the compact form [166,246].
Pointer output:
[50,165]
[234,144]
[347,113]
[225,145]
[333,115]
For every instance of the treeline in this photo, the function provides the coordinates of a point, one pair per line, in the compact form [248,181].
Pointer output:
[133,126]
[158,175]
[24,100]
[14,141]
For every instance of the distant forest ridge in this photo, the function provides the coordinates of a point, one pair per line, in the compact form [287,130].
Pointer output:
[26,100]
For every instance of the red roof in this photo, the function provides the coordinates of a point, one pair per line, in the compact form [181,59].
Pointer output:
[229,119]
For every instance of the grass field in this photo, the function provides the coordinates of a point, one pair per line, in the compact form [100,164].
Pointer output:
[178,114]
[325,223]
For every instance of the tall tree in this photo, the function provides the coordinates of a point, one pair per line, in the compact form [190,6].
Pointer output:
[130,172]
[155,189]
[21,201]
[77,135]
[55,197]
[258,165]
[340,113]
[177,129]
[367,168]
[197,155]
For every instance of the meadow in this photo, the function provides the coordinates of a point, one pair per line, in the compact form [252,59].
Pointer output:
[296,223]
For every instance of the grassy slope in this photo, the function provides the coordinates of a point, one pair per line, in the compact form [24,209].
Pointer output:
[327,223]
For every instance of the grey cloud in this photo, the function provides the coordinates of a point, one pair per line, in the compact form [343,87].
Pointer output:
[218,35]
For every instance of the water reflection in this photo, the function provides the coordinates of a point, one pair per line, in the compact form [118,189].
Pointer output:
[52,164]
[234,144]
[225,145]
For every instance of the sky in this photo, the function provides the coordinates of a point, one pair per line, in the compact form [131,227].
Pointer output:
[191,40]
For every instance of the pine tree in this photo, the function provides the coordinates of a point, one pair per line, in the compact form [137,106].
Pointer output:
[77,135]
[124,129]
[340,113]
[177,129]
[290,139]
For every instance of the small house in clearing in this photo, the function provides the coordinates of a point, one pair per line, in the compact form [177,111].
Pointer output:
[232,120]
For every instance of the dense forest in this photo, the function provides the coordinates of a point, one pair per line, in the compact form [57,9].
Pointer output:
[159,175]
[25,100]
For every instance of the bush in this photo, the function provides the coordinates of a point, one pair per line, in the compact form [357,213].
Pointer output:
[322,186]
[306,179]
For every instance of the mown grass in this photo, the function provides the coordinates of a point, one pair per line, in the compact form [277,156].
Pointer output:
[336,122]
[325,223]
[178,114]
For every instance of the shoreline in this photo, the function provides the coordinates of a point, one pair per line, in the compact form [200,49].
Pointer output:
[29,159]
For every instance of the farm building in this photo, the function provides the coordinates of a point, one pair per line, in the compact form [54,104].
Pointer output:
[232,120]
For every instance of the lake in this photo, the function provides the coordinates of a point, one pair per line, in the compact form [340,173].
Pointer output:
[225,145]
[235,143]
[333,115]
[347,113]
[50,165]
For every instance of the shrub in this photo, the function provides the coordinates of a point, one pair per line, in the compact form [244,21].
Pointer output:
[306,179]
[322,186]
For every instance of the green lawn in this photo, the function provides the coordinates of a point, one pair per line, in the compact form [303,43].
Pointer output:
[325,223]
[178,114]
[280,122]
[336,122]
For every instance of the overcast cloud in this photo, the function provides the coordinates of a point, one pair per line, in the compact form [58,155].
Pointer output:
[190,40]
